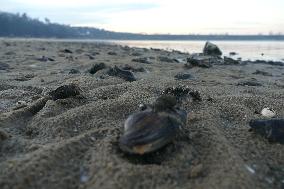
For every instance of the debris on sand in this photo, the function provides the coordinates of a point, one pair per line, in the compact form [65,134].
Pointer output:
[181,92]
[259,72]
[97,67]
[230,61]
[166,59]
[133,69]
[249,83]
[124,74]
[143,60]
[272,129]
[65,91]
[154,127]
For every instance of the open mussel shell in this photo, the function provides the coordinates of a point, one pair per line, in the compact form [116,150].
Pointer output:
[272,129]
[148,131]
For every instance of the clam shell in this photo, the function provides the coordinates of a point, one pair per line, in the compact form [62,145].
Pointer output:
[148,131]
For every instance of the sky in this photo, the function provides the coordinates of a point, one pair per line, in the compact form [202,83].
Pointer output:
[160,16]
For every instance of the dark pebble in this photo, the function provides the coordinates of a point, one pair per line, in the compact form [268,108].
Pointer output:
[4,66]
[143,60]
[136,54]
[67,51]
[112,53]
[51,59]
[233,53]
[259,72]
[182,76]
[3,135]
[65,91]
[193,62]
[97,67]
[74,71]
[166,59]
[133,69]
[124,74]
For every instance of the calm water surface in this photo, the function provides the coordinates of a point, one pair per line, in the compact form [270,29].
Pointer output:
[272,50]
[247,50]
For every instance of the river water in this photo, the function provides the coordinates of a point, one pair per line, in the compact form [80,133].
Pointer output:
[247,50]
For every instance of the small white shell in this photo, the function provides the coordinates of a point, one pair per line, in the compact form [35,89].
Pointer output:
[21,104]
[268,112]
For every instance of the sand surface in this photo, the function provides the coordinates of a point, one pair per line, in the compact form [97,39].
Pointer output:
[73,142]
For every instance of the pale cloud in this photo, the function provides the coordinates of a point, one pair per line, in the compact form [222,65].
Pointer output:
[160,16]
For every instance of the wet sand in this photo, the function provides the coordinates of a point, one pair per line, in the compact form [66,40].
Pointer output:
[72,142]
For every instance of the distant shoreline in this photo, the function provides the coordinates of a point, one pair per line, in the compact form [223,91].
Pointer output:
[196,38]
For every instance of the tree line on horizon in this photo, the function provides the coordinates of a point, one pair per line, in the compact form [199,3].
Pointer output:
[21,25]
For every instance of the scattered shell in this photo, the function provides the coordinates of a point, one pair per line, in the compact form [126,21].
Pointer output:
[20,104]
[152,128]
[272,129]
[268,112]
[251,170]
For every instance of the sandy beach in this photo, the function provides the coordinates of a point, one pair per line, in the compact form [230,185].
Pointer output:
[73,142]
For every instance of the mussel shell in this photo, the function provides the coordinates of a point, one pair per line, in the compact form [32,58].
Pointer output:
[147,131]
[272,129]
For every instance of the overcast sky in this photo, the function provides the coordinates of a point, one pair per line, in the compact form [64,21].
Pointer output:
[160,16]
